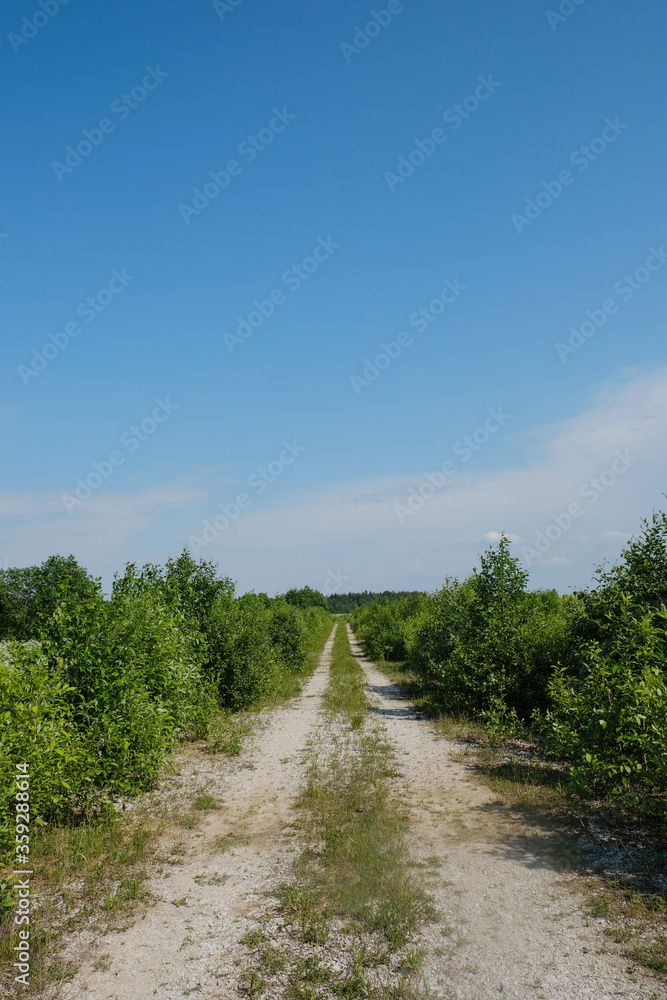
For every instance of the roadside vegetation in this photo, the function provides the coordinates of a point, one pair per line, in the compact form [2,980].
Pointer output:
[347,924]
[561,702]
[96,693]
[583,674]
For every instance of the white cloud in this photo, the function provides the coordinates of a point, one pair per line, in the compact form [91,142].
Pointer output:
[280,543]
[355,521]
[96,531]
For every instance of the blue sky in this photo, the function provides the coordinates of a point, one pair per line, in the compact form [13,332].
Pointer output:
[534,199]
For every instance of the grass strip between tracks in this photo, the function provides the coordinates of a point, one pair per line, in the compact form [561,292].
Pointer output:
[347,923]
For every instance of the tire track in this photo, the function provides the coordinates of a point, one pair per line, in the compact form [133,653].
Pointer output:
[509,928]
[189,941]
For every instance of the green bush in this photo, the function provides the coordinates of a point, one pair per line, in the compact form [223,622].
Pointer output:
[641,575]
[288,635]
[95,706]
[37,728]
[134,673]
[28,596]
[306,597]
[484,648]
[586,672]
[381,627]
[611,722]
[240,650]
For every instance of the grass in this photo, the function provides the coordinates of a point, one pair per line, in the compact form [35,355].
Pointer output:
[205,802]
[89,876]
[354,898]
[228,841]
[345,694]
[272,960]
[227,733]
[361,870]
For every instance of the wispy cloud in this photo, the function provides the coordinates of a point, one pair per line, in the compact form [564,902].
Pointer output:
[102,529]
[286,541]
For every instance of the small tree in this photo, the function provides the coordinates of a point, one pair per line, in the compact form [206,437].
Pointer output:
[612,723]
[306,597]
[29,595]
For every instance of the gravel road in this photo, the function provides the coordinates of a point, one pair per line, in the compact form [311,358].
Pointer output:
[188,943]
[509,923]
[510,927]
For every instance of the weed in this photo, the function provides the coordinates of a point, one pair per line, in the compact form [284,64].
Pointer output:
[227,733]
[230,840]
[205,802]
[652,954]
[254,937]
[600,906]
[210,879]
[251,984]
[188,820]
[413,960]
[62,972]
[272,960]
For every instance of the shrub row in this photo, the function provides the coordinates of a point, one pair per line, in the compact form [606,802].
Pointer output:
[95,692]
[584,674]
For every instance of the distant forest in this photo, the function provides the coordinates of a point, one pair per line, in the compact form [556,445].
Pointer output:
[341,604]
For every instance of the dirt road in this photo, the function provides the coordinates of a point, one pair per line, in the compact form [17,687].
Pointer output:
[510,928]
[188,943]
